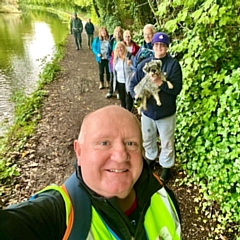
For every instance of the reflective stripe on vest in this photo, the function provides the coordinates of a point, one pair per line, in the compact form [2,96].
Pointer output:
[161,221]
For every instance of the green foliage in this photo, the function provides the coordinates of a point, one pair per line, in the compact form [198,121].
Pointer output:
[110,22]
[7,169]
[207,36]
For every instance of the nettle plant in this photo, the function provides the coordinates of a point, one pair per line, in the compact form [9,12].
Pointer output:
[208,132]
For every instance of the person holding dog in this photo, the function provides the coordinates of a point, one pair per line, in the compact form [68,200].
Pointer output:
[161,119]
[120,196]
[122,73]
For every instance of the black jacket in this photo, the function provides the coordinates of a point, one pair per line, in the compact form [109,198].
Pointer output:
[46,219]
[89,28]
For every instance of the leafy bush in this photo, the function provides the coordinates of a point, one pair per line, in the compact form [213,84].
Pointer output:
[207,37]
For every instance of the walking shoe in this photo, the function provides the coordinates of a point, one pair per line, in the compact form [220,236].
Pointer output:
[77,48]
[101,85]
[151,163]
[109,95]
[118,97]
[165,175]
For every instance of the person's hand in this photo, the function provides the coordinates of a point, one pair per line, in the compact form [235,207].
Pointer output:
[99,55]
[129,62]
[157,80]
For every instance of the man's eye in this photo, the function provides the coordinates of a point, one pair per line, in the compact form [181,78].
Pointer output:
[104,143]
[132,144]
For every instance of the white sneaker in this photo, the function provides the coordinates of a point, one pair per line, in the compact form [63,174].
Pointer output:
[109,95]
[101,86]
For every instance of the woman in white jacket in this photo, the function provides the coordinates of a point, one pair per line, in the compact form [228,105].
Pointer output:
[122,74]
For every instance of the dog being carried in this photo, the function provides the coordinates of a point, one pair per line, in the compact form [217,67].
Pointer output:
[146,87]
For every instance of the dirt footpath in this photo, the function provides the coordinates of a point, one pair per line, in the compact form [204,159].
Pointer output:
[49,155]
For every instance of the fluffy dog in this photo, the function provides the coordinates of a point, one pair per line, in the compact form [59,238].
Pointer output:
[145,88]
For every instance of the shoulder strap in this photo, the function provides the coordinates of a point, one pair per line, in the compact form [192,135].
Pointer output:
[81,207]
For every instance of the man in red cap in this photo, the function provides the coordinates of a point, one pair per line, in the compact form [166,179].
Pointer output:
[161,119]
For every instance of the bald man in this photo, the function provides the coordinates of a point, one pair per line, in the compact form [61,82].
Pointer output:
[127,201]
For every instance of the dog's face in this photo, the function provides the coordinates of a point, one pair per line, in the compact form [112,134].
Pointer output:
[153,68]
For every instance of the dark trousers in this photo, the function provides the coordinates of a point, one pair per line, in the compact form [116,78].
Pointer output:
[78,38]
[111,83]
[104,67]
[125,98]
[90,40]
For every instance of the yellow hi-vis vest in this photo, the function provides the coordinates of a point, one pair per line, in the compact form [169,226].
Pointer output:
[161,219]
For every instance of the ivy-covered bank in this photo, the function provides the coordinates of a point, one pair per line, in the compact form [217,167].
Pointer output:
[208,134]
[205,35]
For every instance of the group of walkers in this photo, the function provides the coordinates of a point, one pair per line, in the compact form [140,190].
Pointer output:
[112,186]
[120,63]
[76,28]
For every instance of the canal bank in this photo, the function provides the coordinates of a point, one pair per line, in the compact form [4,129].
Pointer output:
[47,157]
[28,41]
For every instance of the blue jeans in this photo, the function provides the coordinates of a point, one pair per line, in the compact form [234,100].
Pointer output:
[166,129]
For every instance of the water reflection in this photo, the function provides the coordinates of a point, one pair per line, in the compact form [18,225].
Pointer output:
[25,40]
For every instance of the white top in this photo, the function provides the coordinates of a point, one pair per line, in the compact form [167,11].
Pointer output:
[129,49]
[119,68]
[104,47]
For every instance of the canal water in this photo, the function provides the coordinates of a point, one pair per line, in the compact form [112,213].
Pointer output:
[27,42]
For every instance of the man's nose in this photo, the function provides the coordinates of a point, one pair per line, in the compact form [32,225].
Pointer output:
[120,153]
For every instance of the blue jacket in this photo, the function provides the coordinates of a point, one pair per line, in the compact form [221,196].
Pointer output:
[143,53]
[96,48]
[173,72]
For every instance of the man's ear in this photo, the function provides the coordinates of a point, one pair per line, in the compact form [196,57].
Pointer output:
[77,150]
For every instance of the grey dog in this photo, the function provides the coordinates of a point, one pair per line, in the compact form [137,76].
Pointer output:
[146,87]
